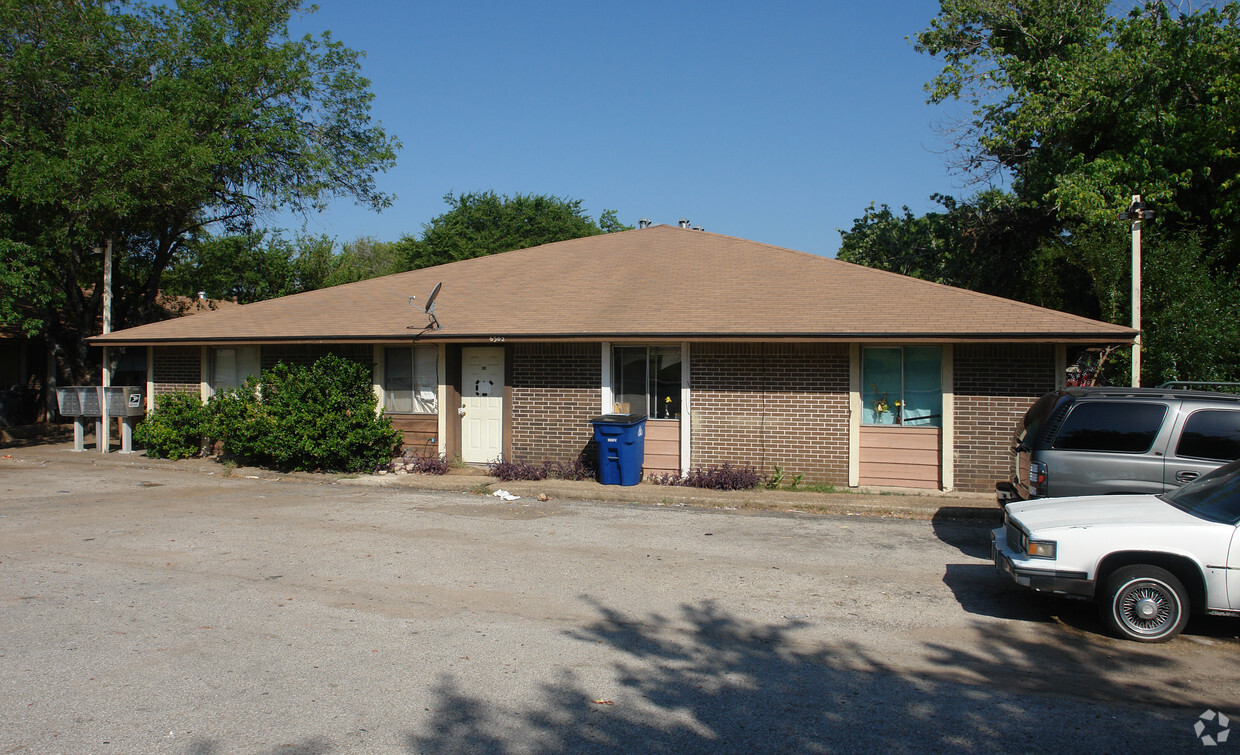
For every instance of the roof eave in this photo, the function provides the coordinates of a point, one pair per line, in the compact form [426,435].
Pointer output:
[1118,338]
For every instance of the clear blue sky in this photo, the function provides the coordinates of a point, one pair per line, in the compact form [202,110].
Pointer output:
[776,122]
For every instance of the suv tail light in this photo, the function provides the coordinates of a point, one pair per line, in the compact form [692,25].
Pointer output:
[1037,478]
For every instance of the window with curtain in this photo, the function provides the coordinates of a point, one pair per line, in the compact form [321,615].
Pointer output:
[411,379]
[902,386]
[646,380]
[230,366]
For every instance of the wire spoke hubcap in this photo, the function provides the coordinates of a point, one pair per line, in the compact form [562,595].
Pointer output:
[1147,607]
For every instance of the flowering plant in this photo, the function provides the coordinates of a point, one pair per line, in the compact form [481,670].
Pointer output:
[883,405]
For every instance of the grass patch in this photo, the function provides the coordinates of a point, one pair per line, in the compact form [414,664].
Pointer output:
[812,487]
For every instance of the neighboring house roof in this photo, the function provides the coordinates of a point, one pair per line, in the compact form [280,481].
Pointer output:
[175,305]
[648,284]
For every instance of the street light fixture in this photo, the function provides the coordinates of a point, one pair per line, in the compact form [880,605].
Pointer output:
[1136,212]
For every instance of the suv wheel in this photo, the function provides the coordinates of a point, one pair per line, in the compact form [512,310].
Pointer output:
[1145,603]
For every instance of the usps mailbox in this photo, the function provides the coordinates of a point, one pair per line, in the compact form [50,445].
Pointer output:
[83,401]
[88,397]
[124,401]
[70,405]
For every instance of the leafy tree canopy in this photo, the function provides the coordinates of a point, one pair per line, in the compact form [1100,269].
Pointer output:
[143,124]
[1084,108]
[1080,107]
[482,223]
[261,265]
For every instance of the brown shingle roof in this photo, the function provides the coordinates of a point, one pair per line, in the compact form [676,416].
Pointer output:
[652,283]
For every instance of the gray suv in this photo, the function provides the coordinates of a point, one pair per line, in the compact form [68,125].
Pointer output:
[1095,441]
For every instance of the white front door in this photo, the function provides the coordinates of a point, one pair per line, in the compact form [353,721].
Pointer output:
[482,404]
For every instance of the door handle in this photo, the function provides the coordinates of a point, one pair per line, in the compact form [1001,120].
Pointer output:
[1185,476]
[461,411]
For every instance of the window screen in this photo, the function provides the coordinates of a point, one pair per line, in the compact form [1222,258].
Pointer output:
[1121,427]
[1211,435]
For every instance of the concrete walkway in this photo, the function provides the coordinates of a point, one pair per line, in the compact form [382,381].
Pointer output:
[907,504]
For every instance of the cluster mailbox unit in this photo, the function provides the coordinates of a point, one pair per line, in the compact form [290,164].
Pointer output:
[83,401]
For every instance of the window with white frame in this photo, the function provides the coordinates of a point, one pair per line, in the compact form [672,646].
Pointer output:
[230,366]
[411,379]
[646,380]
[903,385]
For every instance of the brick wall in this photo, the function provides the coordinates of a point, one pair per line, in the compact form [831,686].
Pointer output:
[994,385]
[177,369]
[772,404]
[555,394]
[308,354]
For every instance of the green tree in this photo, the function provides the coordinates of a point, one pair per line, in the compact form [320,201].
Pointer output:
[482,223]
[1084,108]
[1190,323]
[144,124]
[1080,108]
[366,258]
[990,243]
[23,291]
[247,267]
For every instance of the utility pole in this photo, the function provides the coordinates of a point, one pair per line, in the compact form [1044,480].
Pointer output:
[1136,212]
[103,431]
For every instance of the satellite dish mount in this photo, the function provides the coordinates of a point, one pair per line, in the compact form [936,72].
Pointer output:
[429,309]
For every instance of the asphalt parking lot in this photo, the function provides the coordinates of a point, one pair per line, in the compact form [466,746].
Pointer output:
[191,607]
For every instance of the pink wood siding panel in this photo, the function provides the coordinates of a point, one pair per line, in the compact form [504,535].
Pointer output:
[662,447]
[904,457]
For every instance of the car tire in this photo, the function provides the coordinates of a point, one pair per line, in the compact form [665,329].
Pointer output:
[1145,603]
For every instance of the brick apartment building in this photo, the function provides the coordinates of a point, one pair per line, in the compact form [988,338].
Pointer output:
[736,351]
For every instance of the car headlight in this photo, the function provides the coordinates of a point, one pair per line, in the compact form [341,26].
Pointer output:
[1041,549]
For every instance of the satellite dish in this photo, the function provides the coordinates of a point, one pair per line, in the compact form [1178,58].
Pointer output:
[430,300]
[429,309]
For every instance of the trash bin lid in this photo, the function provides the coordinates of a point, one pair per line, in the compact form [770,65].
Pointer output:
[618,419]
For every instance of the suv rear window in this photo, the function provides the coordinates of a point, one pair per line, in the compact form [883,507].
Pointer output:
[1111,426]
[1033,420]
[1211,435]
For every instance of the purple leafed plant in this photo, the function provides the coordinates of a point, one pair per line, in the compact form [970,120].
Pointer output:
[726,477]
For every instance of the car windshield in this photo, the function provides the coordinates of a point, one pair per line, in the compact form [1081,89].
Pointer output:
[1215,496]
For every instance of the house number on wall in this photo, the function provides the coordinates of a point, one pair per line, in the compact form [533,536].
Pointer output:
[497,339]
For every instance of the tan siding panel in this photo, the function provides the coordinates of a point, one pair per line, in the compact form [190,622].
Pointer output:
[662,447]
[900,456]
[907,438]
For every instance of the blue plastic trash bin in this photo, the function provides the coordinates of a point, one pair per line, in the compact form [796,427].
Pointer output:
[621,442]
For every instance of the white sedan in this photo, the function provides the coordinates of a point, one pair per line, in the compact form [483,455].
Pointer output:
[1149,560]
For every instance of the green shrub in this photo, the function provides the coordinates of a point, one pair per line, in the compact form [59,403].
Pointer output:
[237,418]
[322,417]
[174,429]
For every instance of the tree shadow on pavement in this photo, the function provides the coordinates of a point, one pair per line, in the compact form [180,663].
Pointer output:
[707,680]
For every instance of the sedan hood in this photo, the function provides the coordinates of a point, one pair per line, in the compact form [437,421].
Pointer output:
[1088,511]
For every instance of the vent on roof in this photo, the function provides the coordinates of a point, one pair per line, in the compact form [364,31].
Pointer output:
[698,228]
[684,223]
[644,223]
